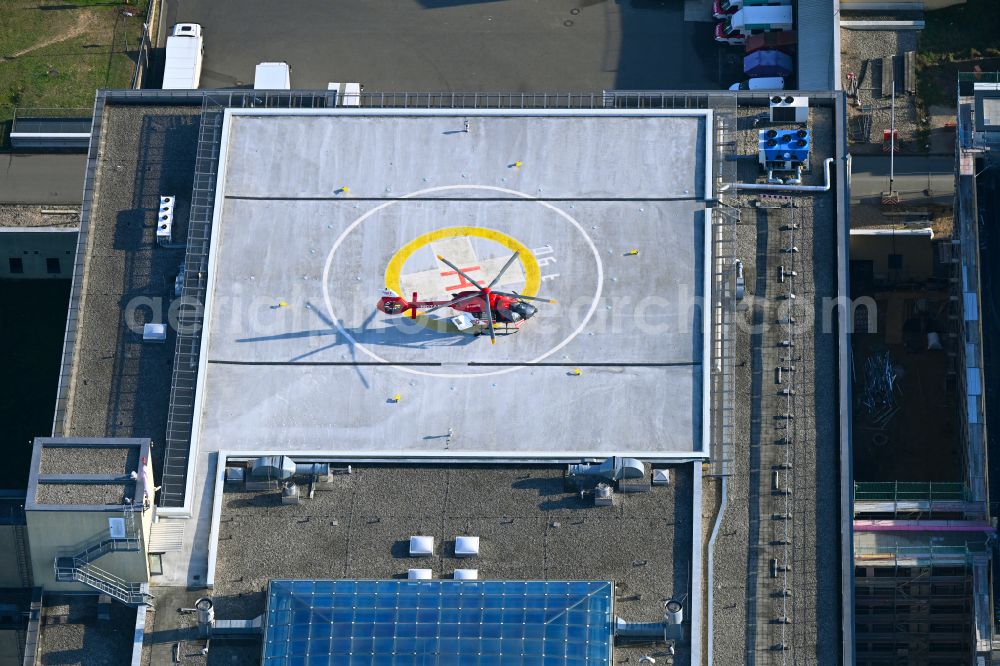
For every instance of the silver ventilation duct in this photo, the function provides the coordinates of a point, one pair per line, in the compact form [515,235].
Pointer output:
[615,468]
[281,468]
[209,627]
[668,629]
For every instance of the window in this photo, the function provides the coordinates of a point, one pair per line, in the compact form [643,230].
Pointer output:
[52,266]
[895,262]
[16,265]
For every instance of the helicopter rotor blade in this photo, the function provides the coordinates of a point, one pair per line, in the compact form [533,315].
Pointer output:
[459,271]
[453,303]
[522,297]
[503,270]
[489,318]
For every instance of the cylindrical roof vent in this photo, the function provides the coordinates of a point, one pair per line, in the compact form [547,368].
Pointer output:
[673,612]
[206,615]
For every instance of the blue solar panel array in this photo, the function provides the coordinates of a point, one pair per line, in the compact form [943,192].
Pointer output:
[438,622]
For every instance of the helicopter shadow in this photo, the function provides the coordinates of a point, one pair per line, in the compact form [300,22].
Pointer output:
[407,336]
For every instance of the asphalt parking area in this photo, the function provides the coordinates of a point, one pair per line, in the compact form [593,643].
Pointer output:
[464,45]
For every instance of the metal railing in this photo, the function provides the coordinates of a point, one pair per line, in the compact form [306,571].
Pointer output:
[903,491]
[180,419]
[72,569]
[929,554]
[979,77]
[51,120]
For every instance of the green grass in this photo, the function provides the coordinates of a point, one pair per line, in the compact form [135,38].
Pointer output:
[956,39]
[75,48]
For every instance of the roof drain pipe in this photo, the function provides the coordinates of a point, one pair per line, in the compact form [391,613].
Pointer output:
[787,186]
[711,566]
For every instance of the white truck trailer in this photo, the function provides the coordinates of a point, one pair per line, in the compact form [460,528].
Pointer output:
[185,51]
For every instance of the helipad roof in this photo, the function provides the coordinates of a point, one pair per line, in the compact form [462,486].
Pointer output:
[318,212]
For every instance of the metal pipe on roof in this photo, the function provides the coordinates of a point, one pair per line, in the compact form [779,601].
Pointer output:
[711,571]
[774,187]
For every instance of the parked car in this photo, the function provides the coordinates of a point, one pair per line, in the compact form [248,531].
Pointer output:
[784,40]
[760,83]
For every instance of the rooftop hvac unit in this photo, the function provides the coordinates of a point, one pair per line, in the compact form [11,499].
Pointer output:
[784,150]
[165,220]
[789,109]
[466,574]
[419,574]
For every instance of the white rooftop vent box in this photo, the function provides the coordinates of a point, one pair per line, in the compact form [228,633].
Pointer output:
[789,109]
[466,546]
[154,333]
[661,477]
[466,574]
[345,94]
[421,546]
[419,574]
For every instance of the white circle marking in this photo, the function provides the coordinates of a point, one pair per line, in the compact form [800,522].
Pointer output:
[444,188]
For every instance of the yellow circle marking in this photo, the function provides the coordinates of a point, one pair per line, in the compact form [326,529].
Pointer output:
[394,271]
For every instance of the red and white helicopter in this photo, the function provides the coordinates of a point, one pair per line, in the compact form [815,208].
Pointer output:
[504,307]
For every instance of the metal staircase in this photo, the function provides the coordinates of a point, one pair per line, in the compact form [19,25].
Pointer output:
[78,566]
[23,556]
[73,569]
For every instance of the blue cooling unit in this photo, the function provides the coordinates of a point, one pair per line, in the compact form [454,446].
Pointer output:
[784,150]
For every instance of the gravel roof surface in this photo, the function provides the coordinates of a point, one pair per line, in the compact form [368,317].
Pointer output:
[84,493]
[70,632]
[359,525]
[744,543]
[120,386]
[113,461]
[27,216]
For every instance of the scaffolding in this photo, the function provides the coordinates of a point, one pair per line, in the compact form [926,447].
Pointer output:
[915,606]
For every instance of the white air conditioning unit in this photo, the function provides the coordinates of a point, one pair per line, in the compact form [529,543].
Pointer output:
[165,221]
[789,109]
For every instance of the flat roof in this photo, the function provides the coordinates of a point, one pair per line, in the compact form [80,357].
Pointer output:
[295,355]
[93,472]
[531,525]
